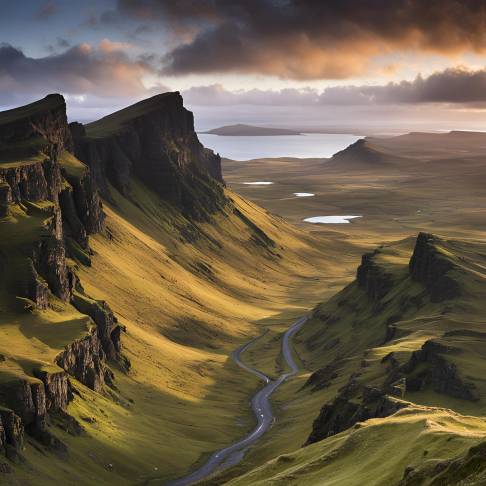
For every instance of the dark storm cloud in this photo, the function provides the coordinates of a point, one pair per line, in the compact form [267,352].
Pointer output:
[304,39]
[82,69]
[454,86]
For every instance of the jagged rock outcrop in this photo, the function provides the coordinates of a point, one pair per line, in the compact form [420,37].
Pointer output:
[34,287]
[33,182]
[107,327]
[65,204]
[343,412]
[429,368]
[27,404]
[84,359]
[13,434]
[42,180]
[5,199]
[154,141]
[432,268]
[45,118]
[81,205]
[323,377]
[373,278]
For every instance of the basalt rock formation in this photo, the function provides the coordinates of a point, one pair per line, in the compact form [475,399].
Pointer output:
[394,298]
[344,412]
[27,405]
[41,178]
[429,367]
[373,278]
[432,268]
[51,175]
[154,141]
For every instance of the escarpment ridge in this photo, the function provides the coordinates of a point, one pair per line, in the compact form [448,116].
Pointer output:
[414,334]
[49,205]
[51,178]
[153,140]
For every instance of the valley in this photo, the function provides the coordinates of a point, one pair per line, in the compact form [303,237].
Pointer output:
[243,243]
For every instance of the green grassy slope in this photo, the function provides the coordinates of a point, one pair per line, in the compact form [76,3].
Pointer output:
[376,452]
[188,294]
[187,305]
[390,332]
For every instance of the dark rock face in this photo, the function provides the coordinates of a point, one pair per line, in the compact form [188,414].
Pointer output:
[107,327]
[13,434]
[86,204]
[154,141]
[84,360]
[5,199]
[28,404]
[429,267]
[35,288]
[372,278]
[322,378]
[34,182]
[80,208]
[45,118]
[428,367]
[343,413]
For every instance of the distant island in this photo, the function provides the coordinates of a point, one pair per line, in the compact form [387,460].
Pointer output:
[240,129]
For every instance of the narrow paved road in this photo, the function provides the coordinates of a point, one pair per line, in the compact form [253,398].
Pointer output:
[260,404]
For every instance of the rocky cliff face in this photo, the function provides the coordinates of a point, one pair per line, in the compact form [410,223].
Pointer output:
[344,412]
[429,368]
[45,119]
[373,278]
[431,267]
[27,405]
[154,141]
[56,197]
[33,142]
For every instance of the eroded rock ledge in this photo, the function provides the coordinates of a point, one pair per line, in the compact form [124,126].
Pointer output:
[27,405]
[431,267]
[70,207]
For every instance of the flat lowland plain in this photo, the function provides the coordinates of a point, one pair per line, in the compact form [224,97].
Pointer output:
[400,185]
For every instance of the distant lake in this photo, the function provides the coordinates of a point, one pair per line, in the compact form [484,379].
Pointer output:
[309,145]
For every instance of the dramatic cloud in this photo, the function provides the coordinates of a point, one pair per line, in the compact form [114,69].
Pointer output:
[309,39]
[454,86]
[82,69]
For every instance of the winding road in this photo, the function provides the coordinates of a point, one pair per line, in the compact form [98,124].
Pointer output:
[261,406]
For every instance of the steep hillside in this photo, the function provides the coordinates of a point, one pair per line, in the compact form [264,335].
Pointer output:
[154,141]
[51,329]
[119,319]
[396,358]
[364,154]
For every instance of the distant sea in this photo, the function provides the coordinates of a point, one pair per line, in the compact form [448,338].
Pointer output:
[309,145]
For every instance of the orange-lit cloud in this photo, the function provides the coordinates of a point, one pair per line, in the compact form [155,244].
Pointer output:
[310,39]
[108,46]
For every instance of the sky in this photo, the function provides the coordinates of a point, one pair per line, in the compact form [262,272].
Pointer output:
[401,64]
